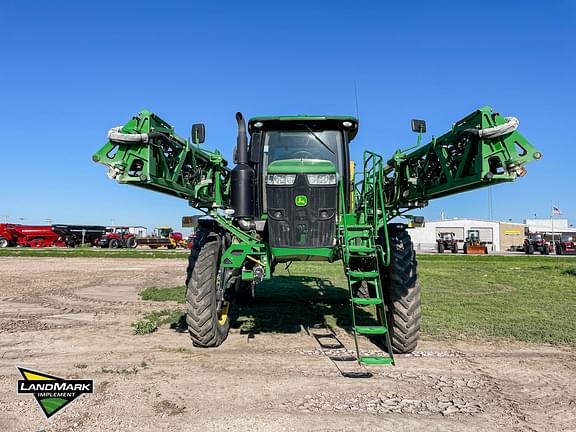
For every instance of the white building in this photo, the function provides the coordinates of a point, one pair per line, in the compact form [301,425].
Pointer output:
[498,236]
[549,225]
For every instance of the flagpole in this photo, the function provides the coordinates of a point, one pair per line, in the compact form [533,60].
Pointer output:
[552,219]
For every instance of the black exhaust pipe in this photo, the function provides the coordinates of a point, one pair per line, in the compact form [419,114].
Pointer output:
[241,141]
[242,175]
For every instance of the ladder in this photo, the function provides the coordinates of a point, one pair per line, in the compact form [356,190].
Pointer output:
[361,255]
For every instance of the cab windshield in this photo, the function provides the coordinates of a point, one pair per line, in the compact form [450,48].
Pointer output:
[306,144]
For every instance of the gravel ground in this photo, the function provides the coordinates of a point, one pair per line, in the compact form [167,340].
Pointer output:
[71,317]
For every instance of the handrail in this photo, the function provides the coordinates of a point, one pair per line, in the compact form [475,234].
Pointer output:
[372,196]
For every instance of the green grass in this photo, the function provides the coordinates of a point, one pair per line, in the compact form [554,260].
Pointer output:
[152,320]
[93,252]
[524,298]
[164,294]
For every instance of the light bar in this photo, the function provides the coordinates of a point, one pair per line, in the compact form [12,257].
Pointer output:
[321,179]
[280,179]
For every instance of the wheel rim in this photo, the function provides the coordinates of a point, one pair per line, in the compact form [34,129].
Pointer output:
[223,313]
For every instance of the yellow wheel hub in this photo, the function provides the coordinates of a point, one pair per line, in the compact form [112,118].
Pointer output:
[223,314]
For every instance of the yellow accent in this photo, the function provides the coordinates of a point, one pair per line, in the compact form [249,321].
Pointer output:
[352,167]
[35,377]
[254,259]
[512,232]
[224,313]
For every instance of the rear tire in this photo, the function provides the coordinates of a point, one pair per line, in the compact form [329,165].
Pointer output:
[131,242]
[206,324]
[402,293]
[440,247]
[455,248]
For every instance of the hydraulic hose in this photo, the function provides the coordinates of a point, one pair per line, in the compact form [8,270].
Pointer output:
[114,134]
[510,126]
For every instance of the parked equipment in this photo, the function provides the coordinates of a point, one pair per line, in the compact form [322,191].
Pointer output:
[76,235]
[447,241]
[35,236]
[536,242]
[8,237]
[566,245]
[163,237]
[473,245]
[118,237]
[292,196]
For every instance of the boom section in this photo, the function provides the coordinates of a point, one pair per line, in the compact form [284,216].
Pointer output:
[146,152]
[482,149]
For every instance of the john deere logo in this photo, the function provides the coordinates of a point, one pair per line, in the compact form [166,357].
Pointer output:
[301,200]
[52,393]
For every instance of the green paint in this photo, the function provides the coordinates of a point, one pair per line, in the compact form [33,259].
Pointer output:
[297,166]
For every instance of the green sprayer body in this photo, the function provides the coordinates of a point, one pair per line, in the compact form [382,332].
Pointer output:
[295,194]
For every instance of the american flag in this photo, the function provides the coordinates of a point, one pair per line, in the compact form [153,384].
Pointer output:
[556,211]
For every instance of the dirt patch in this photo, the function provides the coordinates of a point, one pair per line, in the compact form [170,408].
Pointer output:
[72,318]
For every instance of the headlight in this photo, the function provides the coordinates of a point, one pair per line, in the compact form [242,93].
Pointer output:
[280,179]
[321,179]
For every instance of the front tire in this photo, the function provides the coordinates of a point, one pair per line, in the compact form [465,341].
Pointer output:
[113,244]
[207,317]
[402,293]
[3,242]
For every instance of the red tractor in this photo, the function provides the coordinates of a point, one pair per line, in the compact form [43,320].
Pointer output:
[118,237]
[447,241]
[566,245]
[536,242]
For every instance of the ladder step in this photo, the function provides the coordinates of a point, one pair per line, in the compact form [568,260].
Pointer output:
[361,249]
[371,330]
[366,301]
[363,275]
[376,360]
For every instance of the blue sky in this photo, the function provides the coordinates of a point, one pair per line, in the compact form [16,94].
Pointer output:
[71,70]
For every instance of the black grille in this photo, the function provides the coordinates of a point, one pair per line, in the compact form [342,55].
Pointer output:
[310,226]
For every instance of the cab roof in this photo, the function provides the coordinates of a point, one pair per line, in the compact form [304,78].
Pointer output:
[313,122]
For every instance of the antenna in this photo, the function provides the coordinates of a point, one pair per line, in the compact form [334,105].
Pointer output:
[356,100]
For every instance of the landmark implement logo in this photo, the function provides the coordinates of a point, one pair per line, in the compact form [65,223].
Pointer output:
[51,392]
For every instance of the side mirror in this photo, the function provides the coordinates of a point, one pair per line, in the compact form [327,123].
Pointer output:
[418,126]
[190,221]
[418,222]
[198,133]
[255,147]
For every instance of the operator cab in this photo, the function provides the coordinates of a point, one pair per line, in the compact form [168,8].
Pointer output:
[298,162]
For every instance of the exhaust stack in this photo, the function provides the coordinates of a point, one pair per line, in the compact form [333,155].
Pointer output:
[242,180]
